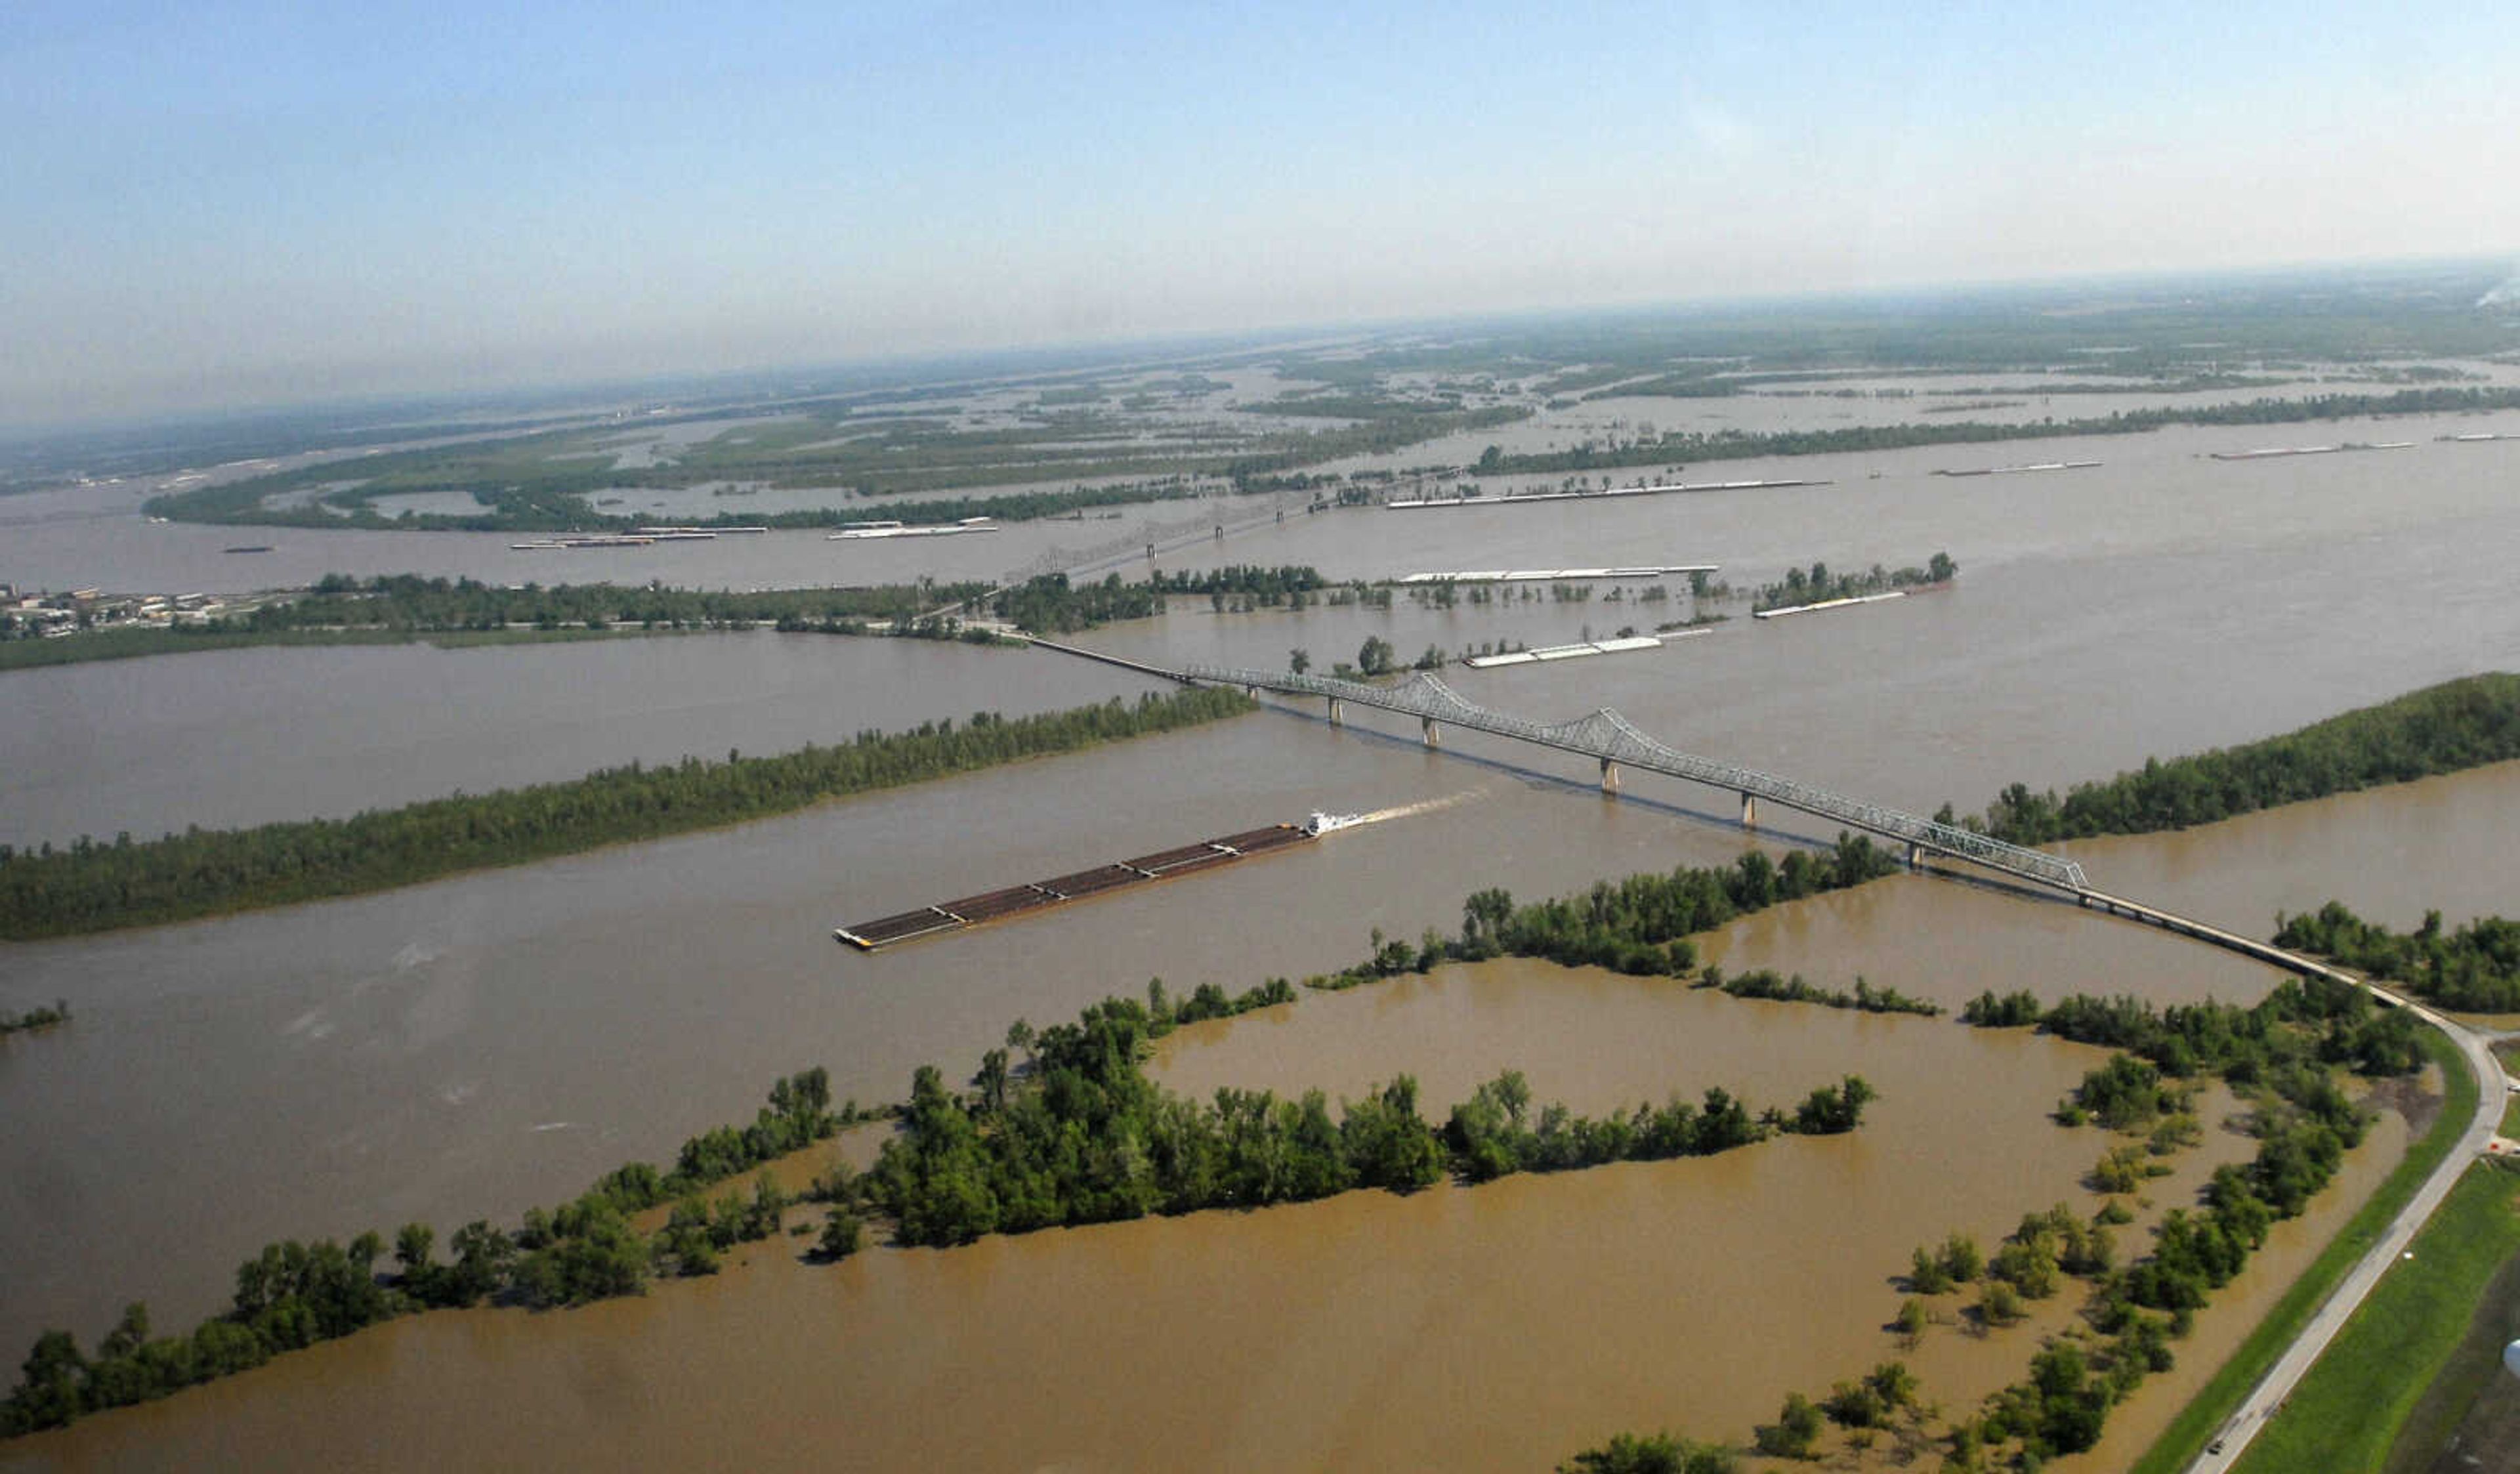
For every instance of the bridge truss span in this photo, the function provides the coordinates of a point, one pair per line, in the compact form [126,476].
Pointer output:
[1616,743]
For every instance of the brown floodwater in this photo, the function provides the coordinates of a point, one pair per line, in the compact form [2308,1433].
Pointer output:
[232,738]
[471,1047]
[1515,1320]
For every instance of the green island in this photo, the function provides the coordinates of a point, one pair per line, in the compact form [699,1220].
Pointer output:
[400,609]
[2460,723]
[1863,998]
[1819,586]
[1089,1139]
[35,1019]
[132,643]
[92,886]
[409,602]
[406,608]
[1739,445]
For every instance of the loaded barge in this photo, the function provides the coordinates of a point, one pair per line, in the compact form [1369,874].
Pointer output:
[1015,900]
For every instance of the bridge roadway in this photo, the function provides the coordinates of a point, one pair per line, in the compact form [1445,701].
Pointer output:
[1610,740]
[2264,1399]
[1608,736]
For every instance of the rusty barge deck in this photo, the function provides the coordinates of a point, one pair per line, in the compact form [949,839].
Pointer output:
[1036,895]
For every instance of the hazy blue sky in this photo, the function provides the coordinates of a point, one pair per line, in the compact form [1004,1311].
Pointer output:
[210,204]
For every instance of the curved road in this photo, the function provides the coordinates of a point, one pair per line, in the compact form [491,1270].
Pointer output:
[2232,1438]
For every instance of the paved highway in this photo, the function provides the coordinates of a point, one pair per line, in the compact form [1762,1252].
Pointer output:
[2264,1400]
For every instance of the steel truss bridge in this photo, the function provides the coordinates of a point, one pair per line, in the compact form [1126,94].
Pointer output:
[1616,744]
[1610,739]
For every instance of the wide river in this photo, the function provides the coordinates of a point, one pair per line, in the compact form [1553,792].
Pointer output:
[473,1046]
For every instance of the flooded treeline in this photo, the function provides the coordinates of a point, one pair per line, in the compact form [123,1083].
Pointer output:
[2281,1055]
[1078,1134]
[295,1294]
[2459,723]
[2474,968]
[1740,444]
[1090,1138]
[96,887]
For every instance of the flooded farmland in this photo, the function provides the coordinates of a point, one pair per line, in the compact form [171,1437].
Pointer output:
[477,1046]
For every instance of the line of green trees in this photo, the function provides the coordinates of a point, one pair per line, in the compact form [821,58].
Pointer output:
[1082,1136]
[34,1018]
[409,606]
[2283,1056]
[1764,982]
[2475,968]
[562,507]
[1652,1453]
[341,609]
[2457,724]
[1048,605]
[1270,586]
[1077,1134]
[1640,925]
[1733,444]
[135,642]
[1820,585]
[2280,1055]
[409,602]
[93,886]
[293,1294]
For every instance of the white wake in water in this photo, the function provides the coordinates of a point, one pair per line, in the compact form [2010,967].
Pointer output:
[1405,811]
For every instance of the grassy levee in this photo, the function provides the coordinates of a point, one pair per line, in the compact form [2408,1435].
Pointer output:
[2480,1306]
[2350,1408]
[2187,1433]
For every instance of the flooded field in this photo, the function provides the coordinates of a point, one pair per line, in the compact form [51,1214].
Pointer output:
[471,1047]
[1281,1338]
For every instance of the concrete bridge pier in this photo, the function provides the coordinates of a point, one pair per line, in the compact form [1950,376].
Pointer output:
[1434,734]
[1336,710]
[1915,857]
[1749,812]
[1609,776]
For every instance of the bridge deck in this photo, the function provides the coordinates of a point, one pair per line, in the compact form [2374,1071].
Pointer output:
[1610,738]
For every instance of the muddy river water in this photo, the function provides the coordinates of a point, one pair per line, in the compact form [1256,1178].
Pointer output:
[470,1048]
